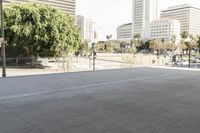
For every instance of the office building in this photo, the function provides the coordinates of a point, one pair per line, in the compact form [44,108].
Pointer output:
[67,6]
[86,26]
[124,32]
[144,11]
[165,29]
[187,15]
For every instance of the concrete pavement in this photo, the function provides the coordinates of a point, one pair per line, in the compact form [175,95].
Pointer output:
[140,100]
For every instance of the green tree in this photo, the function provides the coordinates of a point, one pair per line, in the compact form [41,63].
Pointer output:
[100,47]
[39,29]
[110,48]
[83,49]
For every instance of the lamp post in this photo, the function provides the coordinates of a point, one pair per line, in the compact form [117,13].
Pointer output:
[3,42]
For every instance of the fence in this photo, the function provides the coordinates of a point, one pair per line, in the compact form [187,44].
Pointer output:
[21,62]
[102,62]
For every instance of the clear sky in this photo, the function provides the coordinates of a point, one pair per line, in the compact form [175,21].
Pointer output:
[108,14]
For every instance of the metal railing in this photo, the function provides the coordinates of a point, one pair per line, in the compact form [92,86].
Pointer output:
[103,61]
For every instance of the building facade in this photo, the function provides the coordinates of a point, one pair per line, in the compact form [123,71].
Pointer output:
[144,11]
[165,29]
[187,15]
[67,6]
[124,32]
[86,26]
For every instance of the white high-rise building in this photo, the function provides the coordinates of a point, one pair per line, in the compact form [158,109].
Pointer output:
[67,6]
[144,11]
[165,29]
[187,15]
[86,26]
[124,32]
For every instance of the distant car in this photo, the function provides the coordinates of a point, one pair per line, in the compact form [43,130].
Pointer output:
[180,63]
[145,51]
[196,60]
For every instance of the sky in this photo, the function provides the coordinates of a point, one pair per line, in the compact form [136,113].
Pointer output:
[108,14]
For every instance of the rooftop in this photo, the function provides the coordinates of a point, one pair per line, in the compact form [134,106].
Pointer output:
[128,24]
[178,7]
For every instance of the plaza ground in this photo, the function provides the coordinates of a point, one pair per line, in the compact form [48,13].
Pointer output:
[139,100]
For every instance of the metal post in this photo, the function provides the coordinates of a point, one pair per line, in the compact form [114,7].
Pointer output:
[94,56]
[94,63]
[3,43]
[189,60]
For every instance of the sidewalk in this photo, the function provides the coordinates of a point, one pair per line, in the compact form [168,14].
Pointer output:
[175,68]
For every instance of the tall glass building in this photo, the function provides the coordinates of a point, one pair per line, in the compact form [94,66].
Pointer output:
[67,6]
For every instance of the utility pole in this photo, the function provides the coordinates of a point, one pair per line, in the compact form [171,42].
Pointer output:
[3,42]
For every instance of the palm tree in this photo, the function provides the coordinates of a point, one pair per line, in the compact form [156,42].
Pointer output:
[198,43]
[123,46]
[170,45]
[108,37]
[184,37]
[173,39]
[164,46]
[156,45]
[190,42]
[137,39]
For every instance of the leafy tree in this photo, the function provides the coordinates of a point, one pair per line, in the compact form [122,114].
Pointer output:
[83,49]
[39,29]
[100,47]
[110,48]
[116,47]
[156,45]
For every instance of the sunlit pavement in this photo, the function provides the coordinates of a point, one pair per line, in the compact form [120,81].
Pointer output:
[140,100]
[192,65]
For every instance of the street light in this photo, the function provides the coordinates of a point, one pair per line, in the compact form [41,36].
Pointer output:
[3,43]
